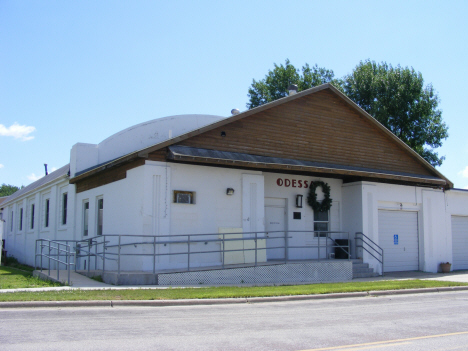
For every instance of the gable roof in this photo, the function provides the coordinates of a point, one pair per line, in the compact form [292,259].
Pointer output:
[146,151]
[52,176]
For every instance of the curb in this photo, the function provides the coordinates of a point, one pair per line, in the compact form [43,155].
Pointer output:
[224,301]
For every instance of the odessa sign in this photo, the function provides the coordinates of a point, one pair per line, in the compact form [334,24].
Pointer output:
[294,183]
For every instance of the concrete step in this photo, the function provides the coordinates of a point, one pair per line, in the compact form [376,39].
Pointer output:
[362,270]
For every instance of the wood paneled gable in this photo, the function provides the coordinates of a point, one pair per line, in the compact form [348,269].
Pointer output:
[319,127]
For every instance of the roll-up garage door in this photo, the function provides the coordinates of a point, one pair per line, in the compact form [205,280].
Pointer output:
[398,237]
[460,242]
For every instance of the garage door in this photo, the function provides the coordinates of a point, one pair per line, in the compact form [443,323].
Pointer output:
[398,237]
[460,242]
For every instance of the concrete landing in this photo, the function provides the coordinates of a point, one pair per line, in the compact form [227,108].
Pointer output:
[76,280]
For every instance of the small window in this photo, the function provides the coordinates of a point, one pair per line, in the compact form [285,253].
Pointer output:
[47,209]
[64,208]
[100,216]
[184,197]
[85,218]
[321,222]
[21,219]
[32,217]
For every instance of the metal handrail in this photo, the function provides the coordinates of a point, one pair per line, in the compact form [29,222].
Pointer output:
[55,246]
[103,243]
[366,242]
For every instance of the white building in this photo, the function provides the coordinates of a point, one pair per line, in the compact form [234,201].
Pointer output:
[199,174]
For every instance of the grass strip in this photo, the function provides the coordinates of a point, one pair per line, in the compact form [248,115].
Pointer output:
[14,278]
[222,292]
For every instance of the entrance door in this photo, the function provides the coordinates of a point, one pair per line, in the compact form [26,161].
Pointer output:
[460,242]
[398,237]
[275,213]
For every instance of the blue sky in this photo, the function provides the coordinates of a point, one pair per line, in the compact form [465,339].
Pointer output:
[80,71]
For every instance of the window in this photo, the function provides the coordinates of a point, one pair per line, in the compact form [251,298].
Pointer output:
[32,217]
[11,225]
[321,222]
[100,207]
[64,208]
[85,218]
[184,197]
[47,208]
[21,219]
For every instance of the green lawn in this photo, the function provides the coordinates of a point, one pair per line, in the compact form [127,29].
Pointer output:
[14,278]
[221,292]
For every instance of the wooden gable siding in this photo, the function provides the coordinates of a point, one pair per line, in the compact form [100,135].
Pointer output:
[107,176]
[319,127]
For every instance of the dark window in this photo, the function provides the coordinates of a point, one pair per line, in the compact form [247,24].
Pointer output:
[321,223]
[64,208]
[85,218]
[47,207]
[11,226]
[100,216]
[21,219]
[32,216]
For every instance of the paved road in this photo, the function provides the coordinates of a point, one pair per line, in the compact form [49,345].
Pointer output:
[436,321]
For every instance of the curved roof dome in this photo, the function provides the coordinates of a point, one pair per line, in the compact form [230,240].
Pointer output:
[149,133]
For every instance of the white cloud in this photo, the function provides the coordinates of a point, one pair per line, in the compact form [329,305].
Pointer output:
[1,166]
[17,131]
[464,173]
[32,177]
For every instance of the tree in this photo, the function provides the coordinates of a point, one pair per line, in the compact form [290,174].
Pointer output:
[7,190]
[275,84]
[398,99]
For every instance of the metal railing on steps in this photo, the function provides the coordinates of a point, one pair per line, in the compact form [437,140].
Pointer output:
[368,245]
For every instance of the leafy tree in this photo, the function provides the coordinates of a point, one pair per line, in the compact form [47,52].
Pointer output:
[398,99]
[7,190]
[275,84]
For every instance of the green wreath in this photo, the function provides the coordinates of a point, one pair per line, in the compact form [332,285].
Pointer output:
[312,197]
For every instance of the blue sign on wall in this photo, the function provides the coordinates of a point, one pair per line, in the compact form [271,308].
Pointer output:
[395,239]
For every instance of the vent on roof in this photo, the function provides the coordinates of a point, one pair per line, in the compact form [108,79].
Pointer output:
[292,89]
[235,111]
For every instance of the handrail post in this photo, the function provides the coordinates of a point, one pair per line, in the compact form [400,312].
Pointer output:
[95,255]
[326,245]
[188,253]
[349,247]
[104,254]
[318,246]
[118,262]
[154,255]
[57,263]
[49,258]
[69,261]
[90,241]
[255,249]
[224,249]
[42,249]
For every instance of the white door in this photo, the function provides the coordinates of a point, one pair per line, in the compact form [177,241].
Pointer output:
[398,237]
[460,242]
[253,211]
[275,213]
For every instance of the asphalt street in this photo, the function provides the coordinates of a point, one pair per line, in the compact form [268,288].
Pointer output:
[432,321]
